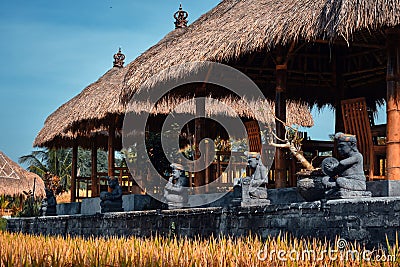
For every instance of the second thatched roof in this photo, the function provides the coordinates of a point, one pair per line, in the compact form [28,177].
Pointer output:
[14,179]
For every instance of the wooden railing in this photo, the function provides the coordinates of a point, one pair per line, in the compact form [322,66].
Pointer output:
[216,169]
[85,188]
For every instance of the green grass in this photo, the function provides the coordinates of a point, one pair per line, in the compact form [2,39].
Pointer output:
[3,224]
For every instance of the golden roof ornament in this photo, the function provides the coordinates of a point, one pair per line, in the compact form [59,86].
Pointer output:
[181,18]
[119,59]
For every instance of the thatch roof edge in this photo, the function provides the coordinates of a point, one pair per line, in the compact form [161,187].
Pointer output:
[95,103]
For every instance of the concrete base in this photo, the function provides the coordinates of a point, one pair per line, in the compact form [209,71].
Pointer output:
[69,208]
[384,188]
[249,202]
[140,202]
[132,202]
[90,206]
[212,200]
[276,196]
[345,194]
[285,196]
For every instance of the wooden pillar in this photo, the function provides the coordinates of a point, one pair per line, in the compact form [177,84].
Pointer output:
[393,104]
[74,172]
[111,148]
[207,170]
[95,181]
[199,132]
[280,113]
[338,83]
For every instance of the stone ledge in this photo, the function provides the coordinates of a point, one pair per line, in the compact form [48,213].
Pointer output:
[367,220]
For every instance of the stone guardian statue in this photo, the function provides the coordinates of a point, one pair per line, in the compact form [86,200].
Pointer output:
[111,201]
[254,188]
[175,191]
[345,178]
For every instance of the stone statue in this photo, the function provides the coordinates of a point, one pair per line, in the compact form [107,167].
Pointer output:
[111,201]
[49,204]
[254,190]
[175,191]
[345,178]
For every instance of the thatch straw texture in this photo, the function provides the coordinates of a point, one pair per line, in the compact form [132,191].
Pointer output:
[261,110]
[14,179]
[89,109]
[226,33]
[237,27]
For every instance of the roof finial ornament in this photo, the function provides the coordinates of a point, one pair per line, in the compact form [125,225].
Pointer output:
[181,18]
[119,59]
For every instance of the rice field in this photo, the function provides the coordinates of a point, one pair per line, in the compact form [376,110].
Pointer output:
[27,250]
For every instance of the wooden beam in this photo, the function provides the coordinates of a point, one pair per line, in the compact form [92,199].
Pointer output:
[250,59]
[199,132]
[111,148]
[368,83]
[363,53]
[393,104]
[271,70]
[338,82]
[291,52]
[280,113]
[364,45]
[74,171]
[366,78]
[374,70]
[200,127]
[95,181]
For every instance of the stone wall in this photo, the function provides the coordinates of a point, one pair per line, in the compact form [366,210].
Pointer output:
[365,220]
[91,206]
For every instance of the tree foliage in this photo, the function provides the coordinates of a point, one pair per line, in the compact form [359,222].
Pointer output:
[54,166]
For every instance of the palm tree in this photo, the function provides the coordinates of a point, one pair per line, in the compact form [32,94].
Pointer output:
[52,165]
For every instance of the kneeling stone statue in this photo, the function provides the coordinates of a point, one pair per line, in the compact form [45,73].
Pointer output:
[176,190]
[254,190]
[111,201]
[345,178]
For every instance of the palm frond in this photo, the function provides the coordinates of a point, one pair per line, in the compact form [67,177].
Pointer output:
[33,162]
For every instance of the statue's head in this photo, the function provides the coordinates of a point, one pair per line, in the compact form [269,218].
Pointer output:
[177,170]
[112,182]
[346,143]
[253,159]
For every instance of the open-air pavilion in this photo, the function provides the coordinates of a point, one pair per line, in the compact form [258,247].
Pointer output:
[313,52]
[93,120]
[320,52]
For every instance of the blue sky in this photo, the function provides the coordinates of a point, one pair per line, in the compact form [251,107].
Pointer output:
[51,50]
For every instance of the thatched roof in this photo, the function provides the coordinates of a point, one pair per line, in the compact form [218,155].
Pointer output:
[248,35]
[14,179]
[261,110]
[86,116]
[252,28]
[90,109]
